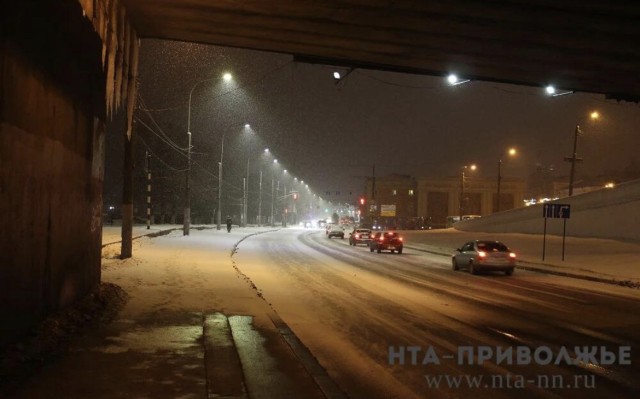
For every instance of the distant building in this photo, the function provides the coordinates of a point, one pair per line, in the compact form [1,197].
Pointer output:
[390,201]
[439,198]
[401,201]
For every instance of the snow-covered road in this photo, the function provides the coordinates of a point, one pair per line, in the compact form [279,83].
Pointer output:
[381,325]
[350,306]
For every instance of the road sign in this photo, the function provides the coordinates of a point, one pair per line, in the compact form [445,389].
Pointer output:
[556,211]
[388,210]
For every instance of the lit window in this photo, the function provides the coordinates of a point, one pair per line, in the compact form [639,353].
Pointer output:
[395,192]
[410,192]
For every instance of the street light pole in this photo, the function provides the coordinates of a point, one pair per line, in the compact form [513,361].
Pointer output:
[471,167]
[461,192]
[187,208]
[260,200]
[573,158]
[218,219]
[272,200]
[511,152]
[499,178]
[246,195]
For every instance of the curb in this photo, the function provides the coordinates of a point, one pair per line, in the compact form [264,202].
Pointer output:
[531,266]
[308,361]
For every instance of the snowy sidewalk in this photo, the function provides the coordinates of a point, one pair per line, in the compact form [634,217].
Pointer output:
[588,258]
[193,327]
[112,234]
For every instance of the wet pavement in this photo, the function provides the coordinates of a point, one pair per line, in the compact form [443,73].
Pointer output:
[178,336]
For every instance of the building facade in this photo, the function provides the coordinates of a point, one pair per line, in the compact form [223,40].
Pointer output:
[441,198]
[401,201]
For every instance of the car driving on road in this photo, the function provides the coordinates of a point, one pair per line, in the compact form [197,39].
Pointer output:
[360,236]
[335,231]
[484,255]
[386,241]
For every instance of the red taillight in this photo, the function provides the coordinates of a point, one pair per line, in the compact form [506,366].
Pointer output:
[482,254]
[400,238]
[381,238]
[357,236]
[512,255]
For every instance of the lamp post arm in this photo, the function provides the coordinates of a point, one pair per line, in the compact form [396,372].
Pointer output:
[191,95]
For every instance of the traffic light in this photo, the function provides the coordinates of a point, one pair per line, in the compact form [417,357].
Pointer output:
[361,200]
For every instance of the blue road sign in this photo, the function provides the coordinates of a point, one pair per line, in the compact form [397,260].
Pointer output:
[556,211]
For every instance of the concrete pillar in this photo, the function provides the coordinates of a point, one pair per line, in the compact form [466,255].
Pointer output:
[51,160]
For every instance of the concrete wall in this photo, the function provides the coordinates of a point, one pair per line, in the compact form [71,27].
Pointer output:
[607,213]
[51,160]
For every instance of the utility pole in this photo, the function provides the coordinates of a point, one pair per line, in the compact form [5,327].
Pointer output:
[461,193]
[499,178]
[574,158]
[127,194]
[284,207]
[246,197]
[272,202]
[373,183]
[148,158]
[220,184]
[187,208]
[244,202]
[260,200]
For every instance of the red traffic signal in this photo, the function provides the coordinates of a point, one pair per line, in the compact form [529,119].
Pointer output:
[361,200]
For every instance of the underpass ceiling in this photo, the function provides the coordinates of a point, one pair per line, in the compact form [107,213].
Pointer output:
[577,45]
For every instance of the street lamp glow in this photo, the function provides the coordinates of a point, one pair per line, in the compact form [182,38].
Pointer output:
[266,150]
[550,89]
[473,167]
[275,161]
[512,151]
[284,171]
[336,75]
[454,80]
[247,126]
[595,115]
[227,77]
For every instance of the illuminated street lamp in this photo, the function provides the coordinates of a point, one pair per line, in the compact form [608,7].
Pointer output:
[462,178]
[187,207]
[454,80]
[275,163]
[245,197]
[218,213]
[574,157]
[265,153]
[511,152]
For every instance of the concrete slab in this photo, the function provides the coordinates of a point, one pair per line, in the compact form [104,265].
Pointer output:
[223,369]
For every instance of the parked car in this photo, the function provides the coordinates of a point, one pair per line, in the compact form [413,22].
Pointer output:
[484,255]
[386,241]
[360,236]
[335,231]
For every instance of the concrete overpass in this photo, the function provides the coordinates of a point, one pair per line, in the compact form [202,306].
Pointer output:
[69,65]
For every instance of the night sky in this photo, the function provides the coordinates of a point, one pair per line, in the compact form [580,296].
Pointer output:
[331,134]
